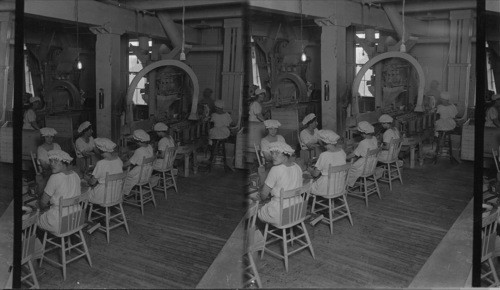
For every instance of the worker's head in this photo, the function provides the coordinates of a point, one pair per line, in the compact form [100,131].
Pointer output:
[496,99]
[328,138]
[310,121]
[59,160]
[104,145]
[48,135]
[260,94]
[445,98]
[85,129]
[386,121]
[280,152]
[272,126]
[35,102]
[219,106]
[141,137]
[365,128]
[207,93]
[161,129]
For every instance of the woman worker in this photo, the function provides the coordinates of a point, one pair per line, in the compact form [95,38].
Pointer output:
[85,148]
[308,138]
[255,119]
[391,132]
[334,156]
[29,117]
[447,112]
[272,136]
[64,183]
[369,142]
[110,164]
[144,151]
[285,174]
[165,142]
[48,144]
[491,117]
[220,131]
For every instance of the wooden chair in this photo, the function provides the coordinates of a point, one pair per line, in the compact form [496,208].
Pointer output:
[259,155]
[390,165]
[142,192]
[366,184]
[87,160]
[495,158]
[71,222]
[291,217]
[28,248]
[36,164]
[336,190]
[113,199]
[167,173]
[250,273]
[488,235]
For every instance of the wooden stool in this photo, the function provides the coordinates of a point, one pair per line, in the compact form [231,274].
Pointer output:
[443,145]
[218,152]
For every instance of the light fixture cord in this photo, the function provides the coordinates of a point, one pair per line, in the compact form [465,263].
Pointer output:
[183,13]
[77,34]
[404,31]
[301,39]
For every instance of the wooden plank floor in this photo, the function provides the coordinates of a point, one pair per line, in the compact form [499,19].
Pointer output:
[171,246]
[390,240]
[6,185]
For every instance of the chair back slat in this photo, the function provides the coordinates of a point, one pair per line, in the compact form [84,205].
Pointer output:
[113,188]
[251,216]
[488,235]
[370,161]
[293,205]
[146,169]
[337,179]
[168,157]
[36,164]
[495,158]
[394,149]
[29,237]
[72,213]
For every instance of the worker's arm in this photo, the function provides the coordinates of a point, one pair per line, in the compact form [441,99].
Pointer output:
[44,202]
[266,190]
[34,124]
[260,117]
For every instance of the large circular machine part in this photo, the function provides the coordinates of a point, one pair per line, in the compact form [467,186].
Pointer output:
[54,89]
[153,66]
[380,57]
[294,78]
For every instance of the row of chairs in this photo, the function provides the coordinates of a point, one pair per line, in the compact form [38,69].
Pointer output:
[291,227]
[111,210]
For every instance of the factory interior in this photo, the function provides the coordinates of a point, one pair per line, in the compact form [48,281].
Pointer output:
[119,68]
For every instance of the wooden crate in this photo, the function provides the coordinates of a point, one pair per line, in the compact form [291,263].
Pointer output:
[6,140]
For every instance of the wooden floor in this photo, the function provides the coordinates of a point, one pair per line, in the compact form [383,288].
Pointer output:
[6,185]
[390,240]
[171,246]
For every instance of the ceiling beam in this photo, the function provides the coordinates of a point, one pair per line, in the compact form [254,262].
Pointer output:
[162,4]
[346,11]
[93,13]
[437,6]
[206,14]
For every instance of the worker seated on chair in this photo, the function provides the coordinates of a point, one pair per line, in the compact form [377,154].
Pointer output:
[144,151]
[308,139]
[391,132]
[64,183]
[110,164]
[42,156]
[491,117]
[285,174]
[334,156]
[84,146]
[369,142]
[165,142]
[447,112]
[221,122]
[29,116]
[272,136]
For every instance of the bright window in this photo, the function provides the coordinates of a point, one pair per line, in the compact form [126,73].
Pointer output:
[255,67]
[134,67]
[361,59]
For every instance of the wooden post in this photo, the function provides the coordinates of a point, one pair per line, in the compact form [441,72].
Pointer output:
[459,63]
[232,67]
[333,69]
[6,62]
[111,54]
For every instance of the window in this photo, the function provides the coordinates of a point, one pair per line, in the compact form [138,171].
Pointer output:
[255,67]
[27,75]
[135,66]
[361,59]
[489,72]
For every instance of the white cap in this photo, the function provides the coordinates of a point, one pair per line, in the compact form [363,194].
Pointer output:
[219,104]
[160,127]
[308,118]
[281,147]
[59,155]
[46,131]
[445,95]
[141,135]
[34,99]
[365,127]
[104,144]
[83,126]
[328,136]
[385,119]
[272,124]
[259,91]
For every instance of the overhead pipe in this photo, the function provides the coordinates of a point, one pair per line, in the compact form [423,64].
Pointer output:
[170,29]
[438,6]
[395,20]
[207,48]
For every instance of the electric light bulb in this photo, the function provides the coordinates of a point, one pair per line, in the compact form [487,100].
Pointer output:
[303,57]
[183,56]
[79,65]
[402,48]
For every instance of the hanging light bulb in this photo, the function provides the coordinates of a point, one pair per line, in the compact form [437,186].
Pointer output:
[303,57]
[79,64]
[183,54]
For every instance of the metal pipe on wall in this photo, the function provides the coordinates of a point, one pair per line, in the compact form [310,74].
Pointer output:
[170,29]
